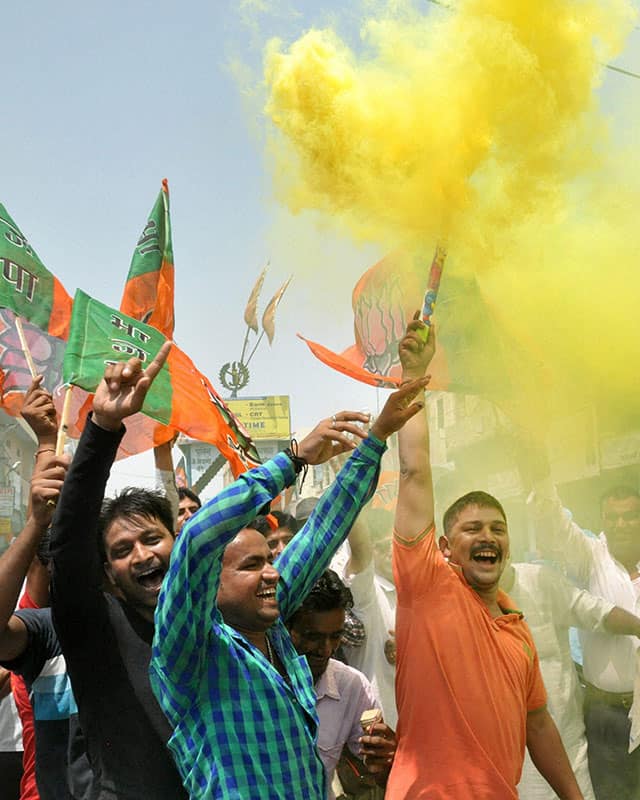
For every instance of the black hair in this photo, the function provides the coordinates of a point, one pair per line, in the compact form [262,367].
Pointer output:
[260,524]
[287,521]
[328,594]
[133,502]
[183,492]
[476,498]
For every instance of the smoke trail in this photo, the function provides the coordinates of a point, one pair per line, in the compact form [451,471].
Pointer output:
[482,125]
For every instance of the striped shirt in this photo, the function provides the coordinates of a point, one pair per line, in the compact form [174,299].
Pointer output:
[242,732]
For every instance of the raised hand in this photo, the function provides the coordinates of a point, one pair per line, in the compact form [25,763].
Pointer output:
[39,412]
[122,391]
[331,437]
[400,407]
[416,349]
[46,485]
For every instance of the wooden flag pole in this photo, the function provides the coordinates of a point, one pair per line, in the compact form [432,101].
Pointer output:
[25,348]
[64,422]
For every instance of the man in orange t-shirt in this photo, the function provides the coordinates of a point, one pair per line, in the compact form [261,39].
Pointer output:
[468,685]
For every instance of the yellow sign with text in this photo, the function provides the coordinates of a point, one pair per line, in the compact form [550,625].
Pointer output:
[264,417]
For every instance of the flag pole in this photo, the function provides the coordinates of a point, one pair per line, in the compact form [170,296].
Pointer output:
[244,345]
[255,347]
[25,348]
[64,422]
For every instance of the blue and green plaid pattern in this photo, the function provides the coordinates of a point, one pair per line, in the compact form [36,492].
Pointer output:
[241,731]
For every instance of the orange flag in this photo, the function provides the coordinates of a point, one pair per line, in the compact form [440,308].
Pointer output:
[149,290]
[251,311]
[269,316]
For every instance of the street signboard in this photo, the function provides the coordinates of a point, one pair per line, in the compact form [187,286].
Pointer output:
[264,417]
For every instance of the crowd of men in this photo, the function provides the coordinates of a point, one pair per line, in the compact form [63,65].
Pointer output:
[163,648]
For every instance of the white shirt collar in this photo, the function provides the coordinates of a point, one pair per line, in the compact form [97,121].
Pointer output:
[327,686]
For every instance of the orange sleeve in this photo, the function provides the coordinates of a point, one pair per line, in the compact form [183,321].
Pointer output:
[537,694]
[416,564]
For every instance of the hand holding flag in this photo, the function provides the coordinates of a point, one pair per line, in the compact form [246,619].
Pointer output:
[124,388]
[39,412]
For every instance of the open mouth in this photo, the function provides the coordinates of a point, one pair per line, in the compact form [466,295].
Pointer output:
[487,556]
[151,578]
[267,594]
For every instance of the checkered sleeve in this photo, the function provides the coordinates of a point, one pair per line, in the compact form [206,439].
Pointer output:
[309,553]
[187,603]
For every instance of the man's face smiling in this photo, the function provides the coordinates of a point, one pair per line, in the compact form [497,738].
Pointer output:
[317,635]
[138,550]
[478,542]
[248,580]
[186,509]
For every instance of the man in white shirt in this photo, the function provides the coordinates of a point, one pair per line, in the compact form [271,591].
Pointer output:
[551,605]
[370,578]
[343,693]
[608,567]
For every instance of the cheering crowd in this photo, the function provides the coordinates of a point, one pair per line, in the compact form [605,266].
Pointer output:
[160,648]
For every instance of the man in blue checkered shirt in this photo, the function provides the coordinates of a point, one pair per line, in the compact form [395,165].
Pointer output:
[240,699]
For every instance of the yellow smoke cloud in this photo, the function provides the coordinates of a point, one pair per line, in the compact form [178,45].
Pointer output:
[481,126]
[493,99]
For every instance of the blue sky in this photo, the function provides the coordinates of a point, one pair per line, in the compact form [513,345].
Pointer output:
[101,101]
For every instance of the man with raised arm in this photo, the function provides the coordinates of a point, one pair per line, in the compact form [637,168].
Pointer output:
[469,690]
[29,646]
[224,668]
[608,566]
[106,638]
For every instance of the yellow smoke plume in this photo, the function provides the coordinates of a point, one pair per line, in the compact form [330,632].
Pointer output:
[481,126]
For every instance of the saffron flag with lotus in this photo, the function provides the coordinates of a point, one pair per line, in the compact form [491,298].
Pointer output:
[472,349]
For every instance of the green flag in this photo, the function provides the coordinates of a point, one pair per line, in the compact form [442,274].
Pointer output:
[27,287]
[100,335]
[148,292]
[180,396]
